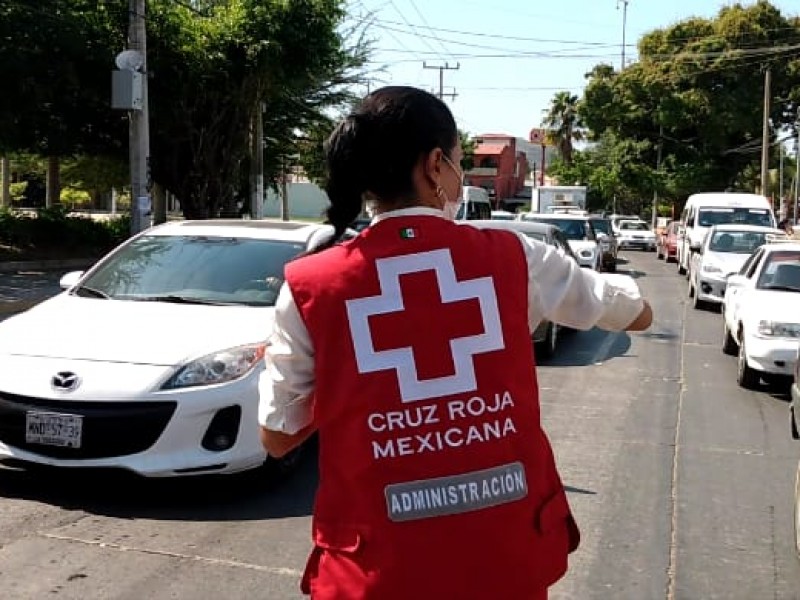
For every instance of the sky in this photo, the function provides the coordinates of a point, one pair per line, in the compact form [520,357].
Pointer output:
[539,48]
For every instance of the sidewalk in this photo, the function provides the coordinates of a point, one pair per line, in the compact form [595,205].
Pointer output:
[25,284]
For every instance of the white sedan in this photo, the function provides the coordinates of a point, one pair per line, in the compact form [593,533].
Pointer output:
[723,252]
[636,235]
[150,361]
[587,244]
[761,313]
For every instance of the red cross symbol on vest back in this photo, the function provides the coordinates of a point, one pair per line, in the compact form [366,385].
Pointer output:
[427,328]
[427,324]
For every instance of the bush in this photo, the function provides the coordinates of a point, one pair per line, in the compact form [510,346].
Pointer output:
[52,231]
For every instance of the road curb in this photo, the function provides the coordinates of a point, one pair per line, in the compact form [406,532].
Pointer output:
[11,266]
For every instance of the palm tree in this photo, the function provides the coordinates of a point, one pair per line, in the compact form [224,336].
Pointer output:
[564,124]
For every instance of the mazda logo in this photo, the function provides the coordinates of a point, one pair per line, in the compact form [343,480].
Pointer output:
[65,381]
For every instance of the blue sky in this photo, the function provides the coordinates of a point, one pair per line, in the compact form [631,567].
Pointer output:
[508,94]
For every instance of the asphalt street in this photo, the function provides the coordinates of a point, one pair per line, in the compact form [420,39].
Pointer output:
[681,483]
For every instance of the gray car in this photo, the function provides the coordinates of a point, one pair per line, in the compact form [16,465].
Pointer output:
[545,337]
[608,244]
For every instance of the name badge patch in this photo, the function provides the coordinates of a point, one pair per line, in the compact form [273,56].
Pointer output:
[456,494]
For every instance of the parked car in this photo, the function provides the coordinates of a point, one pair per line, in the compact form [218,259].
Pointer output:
[547,333]
[150,360]
[608,243]
[617,219]
[503,215]
[636,235]
[705,210]
[667,242]
[761,320]
[579,231]
[722,253]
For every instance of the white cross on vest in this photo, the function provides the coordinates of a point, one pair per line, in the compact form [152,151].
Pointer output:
[401,359]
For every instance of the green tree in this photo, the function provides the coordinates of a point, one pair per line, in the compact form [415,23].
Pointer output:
[468,145]
[563,121]
[697,93]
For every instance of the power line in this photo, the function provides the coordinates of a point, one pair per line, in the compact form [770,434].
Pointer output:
[427,25]
[423,37]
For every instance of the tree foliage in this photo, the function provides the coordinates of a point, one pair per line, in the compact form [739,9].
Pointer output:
[212,64]
[697,93]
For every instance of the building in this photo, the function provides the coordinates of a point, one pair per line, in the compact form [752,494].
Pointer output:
[499,167]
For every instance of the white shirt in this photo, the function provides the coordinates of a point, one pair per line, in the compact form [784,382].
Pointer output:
[558,290]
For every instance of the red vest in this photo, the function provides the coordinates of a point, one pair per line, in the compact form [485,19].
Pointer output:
[435,477]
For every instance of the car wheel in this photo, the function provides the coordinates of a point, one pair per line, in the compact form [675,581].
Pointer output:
[277,469]
[681,270]
[697,304]
[612,266]
[691,288]
[746,376]
[728,343]
[547,347]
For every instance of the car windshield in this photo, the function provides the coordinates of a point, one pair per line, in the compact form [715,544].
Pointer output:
[709,217]
[194,270]
[633,226]
[737,242]
[781,272]
[574,229]
[602,225]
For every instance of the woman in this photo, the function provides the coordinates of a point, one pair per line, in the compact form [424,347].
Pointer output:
[408,349]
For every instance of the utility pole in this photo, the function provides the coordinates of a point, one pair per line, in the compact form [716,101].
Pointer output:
[781,205]
[442,69]
[139,126]
[765,135]
[5,196]
[257,164]
[624,27]
[658,175]
[797,166]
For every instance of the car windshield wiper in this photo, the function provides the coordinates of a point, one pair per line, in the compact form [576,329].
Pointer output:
[781,288]
[90,292]
[178,299]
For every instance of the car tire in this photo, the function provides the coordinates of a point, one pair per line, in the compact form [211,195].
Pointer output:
[681,270]
[691,289]
[729,345]
[746,376]
[547,347]
[611,267]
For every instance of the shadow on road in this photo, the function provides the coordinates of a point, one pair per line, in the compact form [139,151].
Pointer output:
[581,348]
[113,493]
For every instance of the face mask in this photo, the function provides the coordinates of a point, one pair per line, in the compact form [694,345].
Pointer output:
[450,208]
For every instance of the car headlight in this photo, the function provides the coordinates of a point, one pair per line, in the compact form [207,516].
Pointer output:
[711,268]
[587,253]
[219,367]
[776,329]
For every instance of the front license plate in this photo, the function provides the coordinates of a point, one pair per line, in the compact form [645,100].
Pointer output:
[53,429]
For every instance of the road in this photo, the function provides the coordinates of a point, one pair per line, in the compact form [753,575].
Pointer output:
[681,483]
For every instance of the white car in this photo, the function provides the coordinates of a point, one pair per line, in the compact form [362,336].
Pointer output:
[584,241]
[722,253]
[636,235]
[150,361]
[761,313]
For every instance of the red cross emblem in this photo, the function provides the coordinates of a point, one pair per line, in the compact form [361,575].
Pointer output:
[430,314]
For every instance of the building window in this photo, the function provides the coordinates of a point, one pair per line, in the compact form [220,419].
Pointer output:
[489,163]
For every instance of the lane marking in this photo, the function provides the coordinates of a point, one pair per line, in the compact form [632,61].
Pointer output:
[222,562]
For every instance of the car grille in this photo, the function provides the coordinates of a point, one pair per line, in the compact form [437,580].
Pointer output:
[109,428]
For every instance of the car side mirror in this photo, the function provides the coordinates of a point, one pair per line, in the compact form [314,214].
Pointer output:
[70,280]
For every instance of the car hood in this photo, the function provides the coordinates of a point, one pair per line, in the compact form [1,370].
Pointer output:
[151,333]
[729,262]
[578,245]
[629,233]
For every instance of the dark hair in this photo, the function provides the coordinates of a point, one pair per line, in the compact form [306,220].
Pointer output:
[374,150]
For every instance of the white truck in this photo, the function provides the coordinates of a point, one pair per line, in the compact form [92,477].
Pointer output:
[549,199]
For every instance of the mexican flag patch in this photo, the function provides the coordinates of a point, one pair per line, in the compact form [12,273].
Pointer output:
[408,233]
